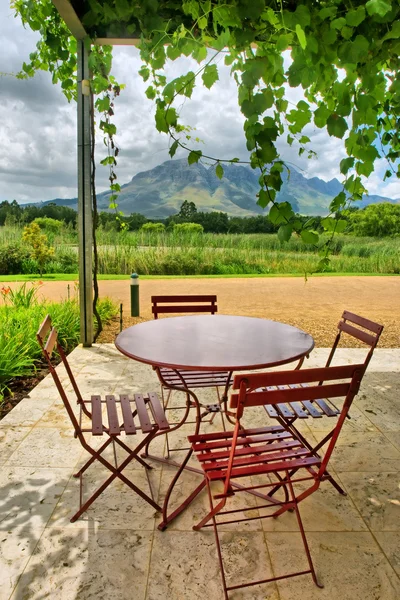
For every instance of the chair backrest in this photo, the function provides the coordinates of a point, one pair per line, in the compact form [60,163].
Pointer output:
[360,328]
[183,304]
[47,337]
[259,389]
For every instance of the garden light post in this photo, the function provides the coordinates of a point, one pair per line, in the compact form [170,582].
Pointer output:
[134,295]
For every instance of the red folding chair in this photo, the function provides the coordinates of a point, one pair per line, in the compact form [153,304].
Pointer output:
[270,451]
[189,380]
[287,413]
[141,414]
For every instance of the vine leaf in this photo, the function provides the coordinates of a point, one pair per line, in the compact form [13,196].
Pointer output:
[210,75]
[336,125]
[301,36]
[194,156]
[309,237]
[378,7]
[219,171]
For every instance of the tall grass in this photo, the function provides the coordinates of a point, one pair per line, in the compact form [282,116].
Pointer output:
[180,253]
[19,349]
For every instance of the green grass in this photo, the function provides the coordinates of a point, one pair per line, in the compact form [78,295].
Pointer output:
[193,254]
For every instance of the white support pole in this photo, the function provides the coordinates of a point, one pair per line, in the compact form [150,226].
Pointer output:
[84,198]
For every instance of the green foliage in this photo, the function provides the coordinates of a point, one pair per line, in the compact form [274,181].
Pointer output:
[188,228]
[19,351]
[48,224]
[377,220]
[12,257]
[22,297]
[153,227]
[38,242]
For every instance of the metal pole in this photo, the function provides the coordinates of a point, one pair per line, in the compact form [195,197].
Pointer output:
[84,198]
[134,295]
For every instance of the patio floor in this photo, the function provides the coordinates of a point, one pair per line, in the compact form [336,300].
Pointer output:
[115,550]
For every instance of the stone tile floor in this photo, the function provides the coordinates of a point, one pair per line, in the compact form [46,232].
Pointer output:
[115,550]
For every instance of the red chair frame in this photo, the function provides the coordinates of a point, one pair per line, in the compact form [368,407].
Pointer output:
[287,413]
[150,418]
[182,380]
[271,451]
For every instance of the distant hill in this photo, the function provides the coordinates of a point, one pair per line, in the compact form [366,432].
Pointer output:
[159,192]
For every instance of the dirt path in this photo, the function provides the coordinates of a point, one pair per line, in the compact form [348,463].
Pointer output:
[314,306]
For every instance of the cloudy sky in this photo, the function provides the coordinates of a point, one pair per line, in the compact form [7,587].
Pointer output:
[38,126]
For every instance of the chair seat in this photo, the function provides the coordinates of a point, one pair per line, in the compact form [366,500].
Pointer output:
[322,407]
[258,451]
[121,413]
[195,379]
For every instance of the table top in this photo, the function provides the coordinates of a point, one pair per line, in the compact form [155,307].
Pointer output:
[214,343]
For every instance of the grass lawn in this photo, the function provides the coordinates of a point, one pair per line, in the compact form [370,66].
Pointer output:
[74,277]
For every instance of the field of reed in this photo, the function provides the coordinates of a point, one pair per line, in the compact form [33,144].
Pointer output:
[172,253]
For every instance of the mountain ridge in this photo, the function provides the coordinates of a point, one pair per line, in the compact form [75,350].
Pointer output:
[159,192]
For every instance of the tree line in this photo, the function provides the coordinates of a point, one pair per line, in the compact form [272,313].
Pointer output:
[376,220]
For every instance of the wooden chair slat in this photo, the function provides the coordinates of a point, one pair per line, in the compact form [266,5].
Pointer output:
[254,460]
[113,422]
[158,412]
[241,441]
[267,468]
[362,321]
[185,298]
[51,341]
[143,415]
[284,410]
[97,421]
[359,334]
[184,308]
[271,411]
[44,328]
[325,408]
[206,456]
[126,409]
[298,410]
[311,409]
[219,435]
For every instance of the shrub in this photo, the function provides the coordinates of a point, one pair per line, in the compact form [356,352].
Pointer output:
[12,257]
[40,249]
[188,228]
[48,224]
[153,227]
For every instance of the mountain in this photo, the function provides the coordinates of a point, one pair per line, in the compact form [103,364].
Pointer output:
[159,192]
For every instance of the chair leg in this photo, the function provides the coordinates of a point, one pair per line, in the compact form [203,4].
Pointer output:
[303,534]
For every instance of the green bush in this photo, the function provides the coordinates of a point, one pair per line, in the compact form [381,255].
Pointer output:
[153,227]
[12,257]
[188,228]
[19,350]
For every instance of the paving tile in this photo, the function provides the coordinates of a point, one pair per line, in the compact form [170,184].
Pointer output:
[324,510]
[363,451]
[390,543]
[349,565]
[84,563]
[28,496]
[10,438]
[28,412]
[184,565]
[377,497]
[16,548]
[200,506]
[118,507]
[47,447]
[393,437]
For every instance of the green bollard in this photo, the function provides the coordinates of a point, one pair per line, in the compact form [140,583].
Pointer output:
[134,295]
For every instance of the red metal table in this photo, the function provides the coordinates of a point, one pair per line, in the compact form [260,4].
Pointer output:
[211,343]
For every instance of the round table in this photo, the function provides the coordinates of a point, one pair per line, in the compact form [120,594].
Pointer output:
[214,343]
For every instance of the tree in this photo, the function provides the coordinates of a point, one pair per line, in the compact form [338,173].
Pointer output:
[187,212]
[188,228]
[377,220]
[48,224]
[344,57]
[40,249]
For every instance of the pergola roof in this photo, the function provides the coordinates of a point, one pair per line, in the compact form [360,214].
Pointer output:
[114,33]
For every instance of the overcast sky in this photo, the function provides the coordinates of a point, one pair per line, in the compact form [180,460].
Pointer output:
[38,126]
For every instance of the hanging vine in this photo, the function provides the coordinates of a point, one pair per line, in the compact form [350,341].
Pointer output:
[344,55]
